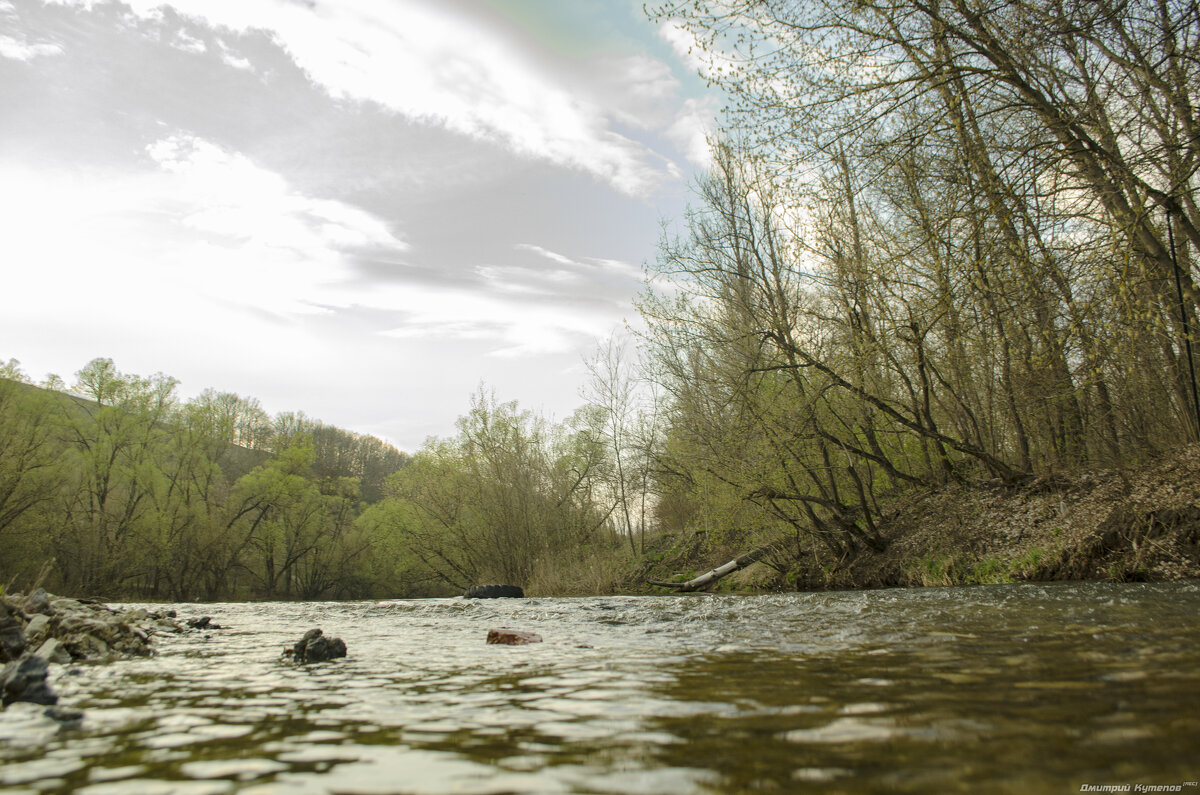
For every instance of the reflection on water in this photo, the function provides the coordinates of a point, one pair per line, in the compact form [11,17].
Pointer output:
[999,689]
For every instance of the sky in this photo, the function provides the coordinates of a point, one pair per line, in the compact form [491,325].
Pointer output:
[359,209]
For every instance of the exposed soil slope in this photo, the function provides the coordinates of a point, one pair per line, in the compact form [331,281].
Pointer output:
[1137,524]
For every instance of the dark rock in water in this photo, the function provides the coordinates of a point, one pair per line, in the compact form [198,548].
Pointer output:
[204,622]
[80,629]
[494,592]
[512,637]
[315,647]
[25,680]
[38,602]
[12,636]
[68,717]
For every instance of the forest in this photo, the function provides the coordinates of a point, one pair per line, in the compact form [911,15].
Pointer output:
[940,245]
[117,488]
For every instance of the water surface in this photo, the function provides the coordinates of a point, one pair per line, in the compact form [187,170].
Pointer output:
[1028,688]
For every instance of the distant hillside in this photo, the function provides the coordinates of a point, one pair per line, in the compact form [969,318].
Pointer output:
[118,488]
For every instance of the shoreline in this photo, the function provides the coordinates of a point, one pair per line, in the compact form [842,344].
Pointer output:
[1140,524]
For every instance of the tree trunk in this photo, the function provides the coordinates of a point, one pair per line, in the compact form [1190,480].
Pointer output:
[704,580]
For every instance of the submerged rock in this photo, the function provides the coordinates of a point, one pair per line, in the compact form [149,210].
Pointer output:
[203,622]
[25,680]
[512,637]
[69,718]
[316,647]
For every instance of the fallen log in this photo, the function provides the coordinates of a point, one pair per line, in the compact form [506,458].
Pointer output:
[704,580]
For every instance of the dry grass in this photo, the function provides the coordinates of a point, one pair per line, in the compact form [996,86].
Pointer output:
[1141,524]
[593,570]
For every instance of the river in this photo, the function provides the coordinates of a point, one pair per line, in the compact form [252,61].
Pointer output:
[1023,688]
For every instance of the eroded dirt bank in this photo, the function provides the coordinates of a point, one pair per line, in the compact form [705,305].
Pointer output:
[1118,525]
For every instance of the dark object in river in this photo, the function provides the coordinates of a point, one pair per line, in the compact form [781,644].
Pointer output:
[512,637]
[68,718]
[25,680]
[12,636]
[315,647]
[494,592]
[204,622]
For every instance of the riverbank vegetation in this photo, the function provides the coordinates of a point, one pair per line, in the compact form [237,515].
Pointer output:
[939,251]
[941,271]
[118,488]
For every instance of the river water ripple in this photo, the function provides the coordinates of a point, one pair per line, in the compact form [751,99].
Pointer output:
[1024,688]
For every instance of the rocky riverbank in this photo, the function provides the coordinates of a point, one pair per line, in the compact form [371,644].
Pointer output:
[37,629]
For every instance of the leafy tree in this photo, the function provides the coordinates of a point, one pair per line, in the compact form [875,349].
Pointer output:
[288,522]
[29,468]
[1034,161]
[623,410]
[115,442]
[504,497]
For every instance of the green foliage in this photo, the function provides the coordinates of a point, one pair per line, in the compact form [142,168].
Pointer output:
[1028,562]
[944,267]
[941,569]
[128,492]
[133,493]
[30,471]
[989,571]
[936,569]
[507,497]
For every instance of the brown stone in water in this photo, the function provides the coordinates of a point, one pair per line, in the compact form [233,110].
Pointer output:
[512,637]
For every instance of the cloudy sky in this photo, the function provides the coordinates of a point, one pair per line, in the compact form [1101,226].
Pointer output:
[359,209]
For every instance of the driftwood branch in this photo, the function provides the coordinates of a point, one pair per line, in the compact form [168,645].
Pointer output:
[704,580]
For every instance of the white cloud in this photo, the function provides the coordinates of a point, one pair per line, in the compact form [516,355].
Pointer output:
[510,324]
[505,312]
[590,265]
[621,269]
[692,128]
[204,228]
[547,253]
[188,43]
[528,281]
[229,196]
[686,47]
[639,91]
[206,233]
[201,262]
[18,50]
[229,58]
[427,63]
